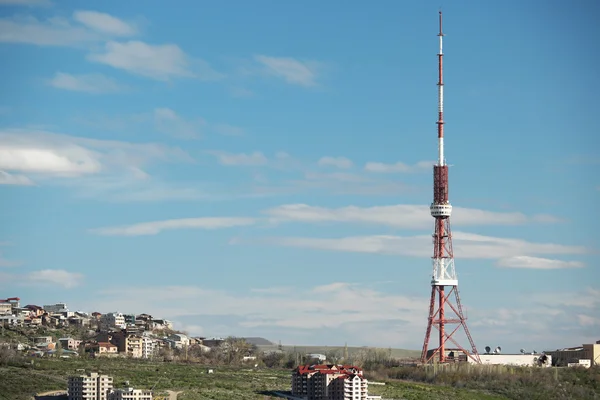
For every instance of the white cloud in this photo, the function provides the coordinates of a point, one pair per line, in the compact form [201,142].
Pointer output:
[51,32]
[467,245]
[87,27]
[167,121]
[54,277]
[17,180]
[339,162]
[399,216]
[155,227]
[31,156]
[90,83]
[256,158]
[399,167]
[332,306]
[317,315]
[586,320]
[161,62]
[291,70]
[104,23]
[44,154]
[537,263]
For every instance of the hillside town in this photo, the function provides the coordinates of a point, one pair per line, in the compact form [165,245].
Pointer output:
[112,334]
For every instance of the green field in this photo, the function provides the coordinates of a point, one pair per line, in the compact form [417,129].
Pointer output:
[21,382]
[339,350]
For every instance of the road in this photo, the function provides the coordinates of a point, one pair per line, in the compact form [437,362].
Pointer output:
[173,394]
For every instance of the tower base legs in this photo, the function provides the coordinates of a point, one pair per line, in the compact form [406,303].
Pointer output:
[438,319]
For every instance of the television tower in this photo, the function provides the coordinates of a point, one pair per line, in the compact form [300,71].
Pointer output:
[444,274]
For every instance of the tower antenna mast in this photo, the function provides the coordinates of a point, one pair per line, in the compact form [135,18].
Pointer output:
[444,273]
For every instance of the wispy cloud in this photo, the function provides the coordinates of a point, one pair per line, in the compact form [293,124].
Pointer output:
[303,73]
[537,263]
[86,27]
[168,121]
[338,162]
[163,119]
[104,23]
[399,216]
[398,167]
[331,306]
[89,83]
[46,153]
[160,62]
[51,32]
[241,159]
[58,278]
[12,179]
[31,3]
[155,227]
[4,262]
[468,245]
[316,315]
[92,168]
[228,130]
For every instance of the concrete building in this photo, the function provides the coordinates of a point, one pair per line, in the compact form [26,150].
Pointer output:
[42,339]
[57,308]
[148,347]
[523,360]
[134,344]
[128,344]
[5,308]
[130,394]
[69,343]
[573,355]
[112,320]
[330,382]
[104,349]
[11,320]
[178,340]
[92,386]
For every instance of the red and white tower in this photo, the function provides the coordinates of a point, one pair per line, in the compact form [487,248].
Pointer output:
[444,275]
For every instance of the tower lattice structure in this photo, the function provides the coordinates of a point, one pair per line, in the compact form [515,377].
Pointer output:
[444,282]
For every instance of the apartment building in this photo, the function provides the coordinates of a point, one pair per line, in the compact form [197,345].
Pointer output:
[69,343]
[148,347]
[330,382]
[57,308]
[179,340]
[130,394]
[112,320]
[134,346]
[5,308]
[92,386]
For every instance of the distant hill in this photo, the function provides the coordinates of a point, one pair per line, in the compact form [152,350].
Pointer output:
[259,341]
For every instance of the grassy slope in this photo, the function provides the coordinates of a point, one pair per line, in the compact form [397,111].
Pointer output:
[19,383]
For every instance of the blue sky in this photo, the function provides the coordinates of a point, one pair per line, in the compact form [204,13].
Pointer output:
[264,168]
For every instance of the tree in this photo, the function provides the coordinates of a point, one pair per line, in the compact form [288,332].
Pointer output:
[58,349]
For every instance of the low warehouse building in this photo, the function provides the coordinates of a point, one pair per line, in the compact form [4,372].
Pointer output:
[522,360]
